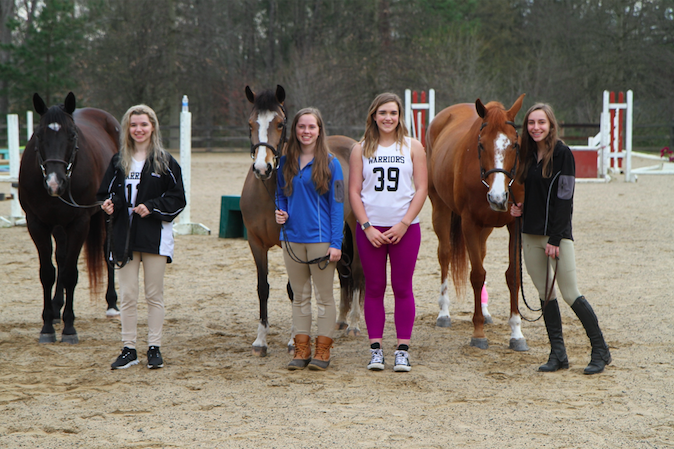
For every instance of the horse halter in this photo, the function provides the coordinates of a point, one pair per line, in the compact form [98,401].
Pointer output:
[485,173]
[276,151]
[69,164]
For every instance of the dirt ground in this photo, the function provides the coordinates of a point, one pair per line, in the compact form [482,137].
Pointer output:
[214,393]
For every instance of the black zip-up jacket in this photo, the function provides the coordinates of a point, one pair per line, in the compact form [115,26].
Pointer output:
[548,202]
[164,196]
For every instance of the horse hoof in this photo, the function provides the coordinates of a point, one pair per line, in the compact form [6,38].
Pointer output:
[341,326]
[291,349]
[481,343]
[353,330]
[518,344]
[112,313]
[72,339]
[48,338]
[443,321]
[488,319]
[260,351]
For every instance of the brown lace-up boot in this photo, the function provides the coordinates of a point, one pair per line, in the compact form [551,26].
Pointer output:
[321,358]
[302,352]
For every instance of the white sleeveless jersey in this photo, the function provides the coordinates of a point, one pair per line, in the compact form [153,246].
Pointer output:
[388,184]
[131,184]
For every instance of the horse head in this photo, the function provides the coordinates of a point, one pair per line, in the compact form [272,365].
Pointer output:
[498,150]
[56,143]
[267,127]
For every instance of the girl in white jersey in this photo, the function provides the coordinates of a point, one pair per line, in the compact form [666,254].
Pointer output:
[387,189]
[143,193]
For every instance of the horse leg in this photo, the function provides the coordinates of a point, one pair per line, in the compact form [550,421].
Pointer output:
[41,235]
[442,226]
[111,294]
[513,279]
[484,299]
[61,253]
[260,256]
[69,275]
[476,240]
[291,343]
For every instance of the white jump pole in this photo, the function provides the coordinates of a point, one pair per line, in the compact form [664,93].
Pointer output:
[629,176]
[29,125]
[185,225]
[16,214]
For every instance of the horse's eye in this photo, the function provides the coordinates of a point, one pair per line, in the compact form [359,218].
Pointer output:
[279,126]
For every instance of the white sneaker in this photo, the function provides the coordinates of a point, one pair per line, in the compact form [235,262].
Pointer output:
[377,361]
[402,361]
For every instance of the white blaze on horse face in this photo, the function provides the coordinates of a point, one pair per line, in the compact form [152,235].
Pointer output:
[498,192]
[53,184]
[264,120]
[54,126]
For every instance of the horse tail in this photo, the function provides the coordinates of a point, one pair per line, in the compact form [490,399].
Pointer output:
[95,251]
[457,251]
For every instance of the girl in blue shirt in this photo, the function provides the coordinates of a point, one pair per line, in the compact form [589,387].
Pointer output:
[310,201]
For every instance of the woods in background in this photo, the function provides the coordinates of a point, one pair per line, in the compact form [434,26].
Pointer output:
[328,54]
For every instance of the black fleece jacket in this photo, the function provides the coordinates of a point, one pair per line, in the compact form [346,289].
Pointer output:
[548,202]
[164,196]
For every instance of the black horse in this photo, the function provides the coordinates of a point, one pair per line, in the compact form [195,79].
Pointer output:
[61,169]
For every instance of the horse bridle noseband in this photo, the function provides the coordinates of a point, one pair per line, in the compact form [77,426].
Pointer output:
[485,173]
[275,150]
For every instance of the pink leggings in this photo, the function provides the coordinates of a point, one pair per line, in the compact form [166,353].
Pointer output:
[403,258]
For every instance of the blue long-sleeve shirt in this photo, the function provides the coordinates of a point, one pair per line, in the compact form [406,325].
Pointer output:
[313,218]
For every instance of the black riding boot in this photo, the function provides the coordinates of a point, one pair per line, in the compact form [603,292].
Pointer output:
[601,356]
[553,323]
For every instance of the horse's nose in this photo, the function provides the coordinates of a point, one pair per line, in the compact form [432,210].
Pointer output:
[498,201]
[55,186]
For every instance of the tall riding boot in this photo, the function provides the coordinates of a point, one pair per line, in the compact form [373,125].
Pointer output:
[302,352]
[553,323]
[321,358]
[601,356]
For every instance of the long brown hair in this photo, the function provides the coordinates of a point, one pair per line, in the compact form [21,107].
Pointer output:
[529,148]
[320,172]
[156,152]
[370,140]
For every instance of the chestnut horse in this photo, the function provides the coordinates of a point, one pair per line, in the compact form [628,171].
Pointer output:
[61,169]
[473,152]
[268,124]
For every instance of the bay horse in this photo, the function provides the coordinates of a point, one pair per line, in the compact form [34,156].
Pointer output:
[268,127]
[473,152]
[61,169]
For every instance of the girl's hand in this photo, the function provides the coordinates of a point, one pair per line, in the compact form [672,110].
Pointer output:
[335,254]
[516,210]
[552,251]
[396,232]
[142,210]
[108,207]
[281,216]
[376,238]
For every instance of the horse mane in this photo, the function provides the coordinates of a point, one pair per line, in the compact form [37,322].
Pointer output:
[266,101]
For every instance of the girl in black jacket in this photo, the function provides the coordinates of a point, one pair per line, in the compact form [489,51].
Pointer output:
[143,193]
[548,173]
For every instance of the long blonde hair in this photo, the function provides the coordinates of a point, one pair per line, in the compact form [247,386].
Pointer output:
[320,172]
[370,140]
[156,152]
[529,148]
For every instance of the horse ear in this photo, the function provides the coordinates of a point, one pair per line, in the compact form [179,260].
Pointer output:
[515,108]
[69,104]
[479,107]
[280,93]
[250,95]
[38,104]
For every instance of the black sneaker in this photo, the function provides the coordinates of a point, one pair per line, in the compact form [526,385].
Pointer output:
[154,359]
[127,358]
